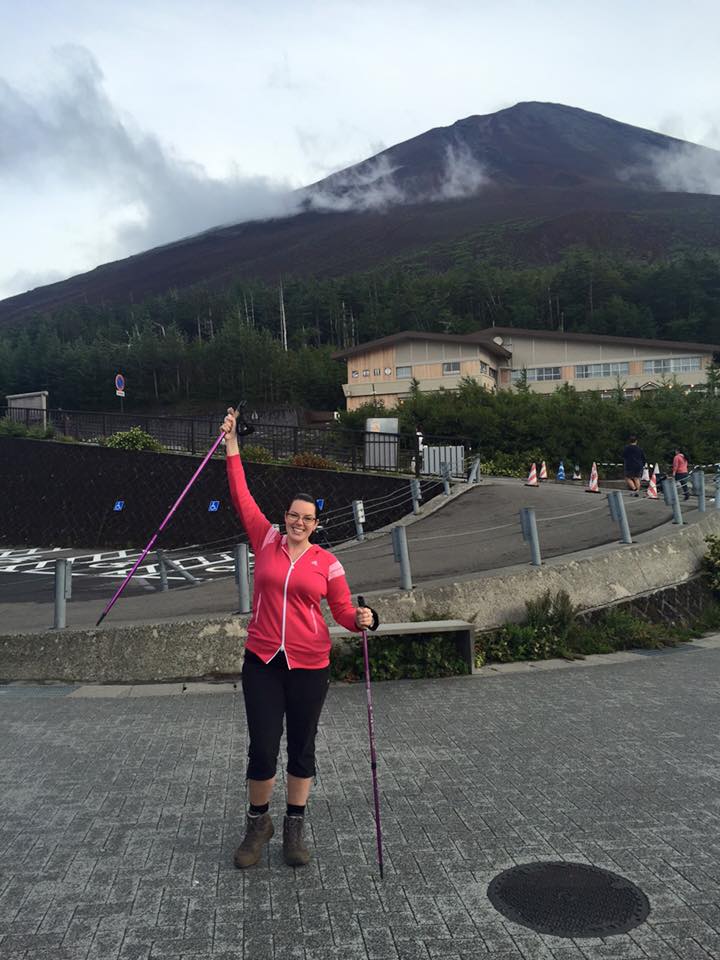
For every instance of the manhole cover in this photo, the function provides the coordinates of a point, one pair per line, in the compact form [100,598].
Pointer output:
[569,899]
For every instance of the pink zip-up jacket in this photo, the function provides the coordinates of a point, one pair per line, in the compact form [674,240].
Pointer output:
[286,598]
[680,464]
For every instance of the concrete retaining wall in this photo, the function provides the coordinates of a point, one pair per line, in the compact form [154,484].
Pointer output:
[214,646]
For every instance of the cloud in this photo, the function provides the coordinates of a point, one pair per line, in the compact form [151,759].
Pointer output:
[30,279]
[373,185]
[72,134]
[688,169]
[368,186]
[462,176]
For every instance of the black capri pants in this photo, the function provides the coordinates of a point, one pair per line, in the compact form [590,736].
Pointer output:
[272,691]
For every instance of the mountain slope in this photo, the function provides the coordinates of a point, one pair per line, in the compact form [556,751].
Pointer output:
[519,185]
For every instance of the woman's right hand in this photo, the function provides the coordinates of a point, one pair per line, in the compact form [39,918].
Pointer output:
[229,425]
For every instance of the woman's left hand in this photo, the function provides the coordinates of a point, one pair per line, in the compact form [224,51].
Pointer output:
[363,618]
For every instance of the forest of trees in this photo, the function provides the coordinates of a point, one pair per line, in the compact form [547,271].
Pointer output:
[204,344]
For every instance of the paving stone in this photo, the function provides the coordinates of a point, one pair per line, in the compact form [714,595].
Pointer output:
[119,816]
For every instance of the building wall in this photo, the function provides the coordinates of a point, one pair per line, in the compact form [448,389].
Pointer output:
[426,358]
[368,380]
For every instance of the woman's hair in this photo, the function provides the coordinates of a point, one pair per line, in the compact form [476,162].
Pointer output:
[306,498]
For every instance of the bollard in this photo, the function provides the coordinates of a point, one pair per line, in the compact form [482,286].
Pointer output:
[242,576]
[617,512]
[416,494]
[670,489]
[530,534]
[400,552]
[699,487]
[63,591]
[445,474]
[358,509]
[163,569]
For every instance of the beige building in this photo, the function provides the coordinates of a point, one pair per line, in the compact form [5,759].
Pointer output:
[498,357]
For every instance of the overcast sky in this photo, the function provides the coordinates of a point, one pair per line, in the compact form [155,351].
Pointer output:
[125,124]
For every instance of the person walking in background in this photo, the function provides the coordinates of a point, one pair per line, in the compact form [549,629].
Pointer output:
[286,670]
[680,471]
[633,464]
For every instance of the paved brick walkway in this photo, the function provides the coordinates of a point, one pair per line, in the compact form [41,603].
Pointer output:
[118,818]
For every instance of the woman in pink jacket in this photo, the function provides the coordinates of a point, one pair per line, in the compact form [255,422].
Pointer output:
[680,471]
[286,670]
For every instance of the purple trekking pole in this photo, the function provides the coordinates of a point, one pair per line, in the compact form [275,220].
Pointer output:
[371,734]
[242,430]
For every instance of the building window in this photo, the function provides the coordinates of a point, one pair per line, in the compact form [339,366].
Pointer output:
[376,371]
[403,373]
[672,365]
[595,371]
[451,368]
[537,373]
[483,367]
[355,373]
[366,373]
[493,372]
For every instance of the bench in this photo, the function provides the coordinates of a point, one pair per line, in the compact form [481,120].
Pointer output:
[465,634]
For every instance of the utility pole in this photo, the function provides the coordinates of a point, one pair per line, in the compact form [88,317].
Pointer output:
[283,322]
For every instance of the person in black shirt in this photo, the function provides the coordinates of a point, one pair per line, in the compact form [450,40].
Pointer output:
[634,464]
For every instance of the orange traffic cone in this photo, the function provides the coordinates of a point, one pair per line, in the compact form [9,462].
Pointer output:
[645,475]
[543,471]
[532,480]
[652,488]
[593,484]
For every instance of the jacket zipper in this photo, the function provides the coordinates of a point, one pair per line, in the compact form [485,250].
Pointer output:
[284,613]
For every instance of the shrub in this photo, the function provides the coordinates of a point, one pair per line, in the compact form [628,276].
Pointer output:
[134,439]
[398,658]
[511,464]
[41,433]
[11,428]
[313,460]
[255,453]
[711,564]
[552,629]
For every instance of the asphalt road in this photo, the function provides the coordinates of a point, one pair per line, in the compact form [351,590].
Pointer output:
[476,532]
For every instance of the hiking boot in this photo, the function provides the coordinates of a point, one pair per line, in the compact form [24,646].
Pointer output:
[294,850]
[258,831]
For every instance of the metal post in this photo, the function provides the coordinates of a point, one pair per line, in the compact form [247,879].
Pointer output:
[400,550]
[717,486]
[699,487]
[163,570]
[445,474]
[617,512]
[673,499]
[358,509]
[530,534]
[63,591]
[416,495]
[242,576]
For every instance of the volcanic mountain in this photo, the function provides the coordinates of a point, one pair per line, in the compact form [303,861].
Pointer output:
[517,186]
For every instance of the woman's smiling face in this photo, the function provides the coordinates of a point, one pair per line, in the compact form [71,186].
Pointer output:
[300,521]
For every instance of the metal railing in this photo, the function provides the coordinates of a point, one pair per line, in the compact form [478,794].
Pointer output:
[351,449]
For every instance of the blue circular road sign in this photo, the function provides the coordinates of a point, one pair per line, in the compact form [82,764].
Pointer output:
[119,381]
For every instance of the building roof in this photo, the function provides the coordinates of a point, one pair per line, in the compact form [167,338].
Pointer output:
[486,342]
[491,332]
[486,339]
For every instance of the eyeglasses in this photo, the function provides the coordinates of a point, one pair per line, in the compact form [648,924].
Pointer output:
[295,518]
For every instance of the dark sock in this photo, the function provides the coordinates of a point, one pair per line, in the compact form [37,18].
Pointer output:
[293,810]
[258,811]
